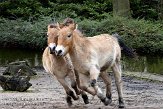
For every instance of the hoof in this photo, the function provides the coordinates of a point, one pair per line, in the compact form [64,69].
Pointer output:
[71,94]
[76,98]
[121,105]
[93,82]
[106,101]
[110,99]
[78,92]
[85,99]
[69,102]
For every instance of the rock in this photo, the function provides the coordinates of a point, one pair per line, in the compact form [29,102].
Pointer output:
[13,68]
[15,83]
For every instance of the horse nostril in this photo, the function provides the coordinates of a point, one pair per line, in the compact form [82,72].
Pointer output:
[59,52]
[53,49]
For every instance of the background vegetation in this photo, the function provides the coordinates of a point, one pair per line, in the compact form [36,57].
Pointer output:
[24,22]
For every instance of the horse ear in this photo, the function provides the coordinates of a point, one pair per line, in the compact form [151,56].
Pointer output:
[51,26]
[76,26]
[60,25]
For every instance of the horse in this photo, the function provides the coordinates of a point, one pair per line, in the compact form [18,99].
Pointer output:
[91,57]
[61,67]
[104,76]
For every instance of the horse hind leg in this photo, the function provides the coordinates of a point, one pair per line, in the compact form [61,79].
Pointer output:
[117,74]
[107,80]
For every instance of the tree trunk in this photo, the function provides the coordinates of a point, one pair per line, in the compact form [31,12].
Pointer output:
[121,8]
[160,10]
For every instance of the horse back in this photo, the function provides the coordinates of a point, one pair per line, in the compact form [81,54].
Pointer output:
[106,48]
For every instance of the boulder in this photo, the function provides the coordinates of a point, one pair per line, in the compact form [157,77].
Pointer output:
[15,83]
[14,67]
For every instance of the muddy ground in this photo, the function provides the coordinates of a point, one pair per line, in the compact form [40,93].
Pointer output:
[46,93]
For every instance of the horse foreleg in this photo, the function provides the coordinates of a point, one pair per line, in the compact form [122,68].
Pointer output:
[74,84]
[68,100]
[117,74]
[94,74]
[83,93]
[73,79]
[69,92]
[107,80]
[83,84]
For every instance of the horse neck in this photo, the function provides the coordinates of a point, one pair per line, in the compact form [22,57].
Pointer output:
[79,46]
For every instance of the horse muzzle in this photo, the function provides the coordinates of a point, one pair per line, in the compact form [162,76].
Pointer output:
[59,50]
[58,53]
[52,50]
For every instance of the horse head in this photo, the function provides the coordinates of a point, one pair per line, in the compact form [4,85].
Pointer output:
[52,34]
[65,39]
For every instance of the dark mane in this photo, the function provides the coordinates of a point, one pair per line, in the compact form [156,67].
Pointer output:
[52,25]
[68,21]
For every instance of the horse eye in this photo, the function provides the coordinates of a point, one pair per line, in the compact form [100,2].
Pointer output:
[69,36]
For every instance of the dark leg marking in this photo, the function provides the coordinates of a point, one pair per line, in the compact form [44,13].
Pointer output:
[109,98]
[85,98]
[93,82]
[121,103]
[69,101]
[74,86]
[71,93]
[105,100]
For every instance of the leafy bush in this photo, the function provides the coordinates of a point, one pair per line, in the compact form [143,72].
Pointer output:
[26,9]
[83,9]
[144,36]
[23,34]
[146,9]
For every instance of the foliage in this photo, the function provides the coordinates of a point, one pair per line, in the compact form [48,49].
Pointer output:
[83,9]
[26,9]
[23,34]
[144,36]
[147,9]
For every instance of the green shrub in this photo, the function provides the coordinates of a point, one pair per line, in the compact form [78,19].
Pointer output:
[23,34]
[144,36]
[89,9]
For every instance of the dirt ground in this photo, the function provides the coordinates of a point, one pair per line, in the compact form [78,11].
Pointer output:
[47,93]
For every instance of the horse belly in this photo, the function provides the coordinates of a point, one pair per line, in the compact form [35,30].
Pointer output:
[107,54]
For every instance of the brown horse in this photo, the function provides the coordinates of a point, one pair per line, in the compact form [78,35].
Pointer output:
[61,67]
[91,57]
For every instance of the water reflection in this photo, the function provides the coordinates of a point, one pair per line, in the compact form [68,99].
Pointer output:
[152,64]
[10,55]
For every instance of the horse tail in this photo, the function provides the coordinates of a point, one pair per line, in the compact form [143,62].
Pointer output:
[125,49]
